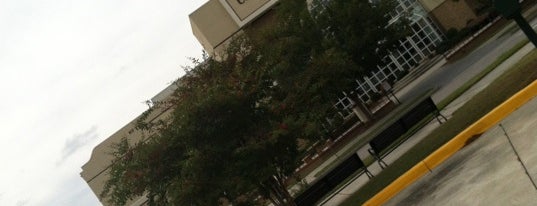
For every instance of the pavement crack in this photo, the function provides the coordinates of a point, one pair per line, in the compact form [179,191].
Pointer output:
[518,157]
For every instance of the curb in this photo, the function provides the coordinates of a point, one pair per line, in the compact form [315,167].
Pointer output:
[455,144]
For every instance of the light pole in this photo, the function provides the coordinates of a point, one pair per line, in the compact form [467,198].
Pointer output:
[510,9]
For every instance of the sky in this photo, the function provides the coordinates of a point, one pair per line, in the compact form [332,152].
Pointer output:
[72,72]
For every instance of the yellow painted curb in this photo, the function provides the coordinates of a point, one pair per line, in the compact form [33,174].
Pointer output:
[401,183]
[455,144]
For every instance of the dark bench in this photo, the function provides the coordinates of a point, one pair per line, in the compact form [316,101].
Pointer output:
[381,145]
[328,182]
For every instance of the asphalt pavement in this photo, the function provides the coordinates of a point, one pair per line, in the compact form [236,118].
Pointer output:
[486,172]
[446,78]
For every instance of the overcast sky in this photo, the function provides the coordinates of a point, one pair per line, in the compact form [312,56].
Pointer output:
[72,72]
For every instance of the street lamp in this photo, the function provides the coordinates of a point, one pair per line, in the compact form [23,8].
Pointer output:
[510,9]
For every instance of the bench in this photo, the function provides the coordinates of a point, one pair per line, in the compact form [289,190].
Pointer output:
[331,180]
[382,144]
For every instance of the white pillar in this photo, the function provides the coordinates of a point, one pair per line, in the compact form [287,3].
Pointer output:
[360,113]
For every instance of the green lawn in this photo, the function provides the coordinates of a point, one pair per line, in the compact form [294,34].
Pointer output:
[516,78]
[482,74]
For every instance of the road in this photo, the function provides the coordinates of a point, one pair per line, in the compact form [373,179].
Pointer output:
[447,78]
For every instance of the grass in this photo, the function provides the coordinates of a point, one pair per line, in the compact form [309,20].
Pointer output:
[370,160]
[397,113]
[515,28]
[478,41]
[514,79]
[454,95]
[499,26]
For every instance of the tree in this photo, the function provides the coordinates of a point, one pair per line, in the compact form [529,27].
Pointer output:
[363,30]
[314,55]
[235,123]
[220,143]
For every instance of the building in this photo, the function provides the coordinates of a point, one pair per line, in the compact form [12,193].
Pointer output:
[95,171]
[458,14]
[216,22]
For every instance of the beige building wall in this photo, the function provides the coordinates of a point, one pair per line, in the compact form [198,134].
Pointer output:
[430,5]
[216,22]
[454,14]
[246,9]
[212,25]
[95,171]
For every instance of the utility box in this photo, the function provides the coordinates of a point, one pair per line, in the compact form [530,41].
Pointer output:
[508,8]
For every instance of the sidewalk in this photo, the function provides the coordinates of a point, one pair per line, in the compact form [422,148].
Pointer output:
[352,187]
[343,194]
[487,171]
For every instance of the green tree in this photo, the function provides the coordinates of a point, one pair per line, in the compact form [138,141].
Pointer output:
[363,30]
[219,143]
[235,123]
[315,53]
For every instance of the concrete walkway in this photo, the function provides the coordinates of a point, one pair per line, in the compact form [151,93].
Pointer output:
[353,186]
[487,172]
[343,194]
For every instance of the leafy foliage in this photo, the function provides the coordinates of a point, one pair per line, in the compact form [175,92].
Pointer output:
[361,29]
[233,132]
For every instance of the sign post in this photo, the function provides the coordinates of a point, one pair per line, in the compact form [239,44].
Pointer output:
[510,9]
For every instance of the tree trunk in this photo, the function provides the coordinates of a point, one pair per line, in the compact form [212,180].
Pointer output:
[270,193]
[278,194]
[287,198]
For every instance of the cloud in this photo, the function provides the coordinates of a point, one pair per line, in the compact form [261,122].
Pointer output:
[73,190]
[22,202]
[78,141]
[74,72]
